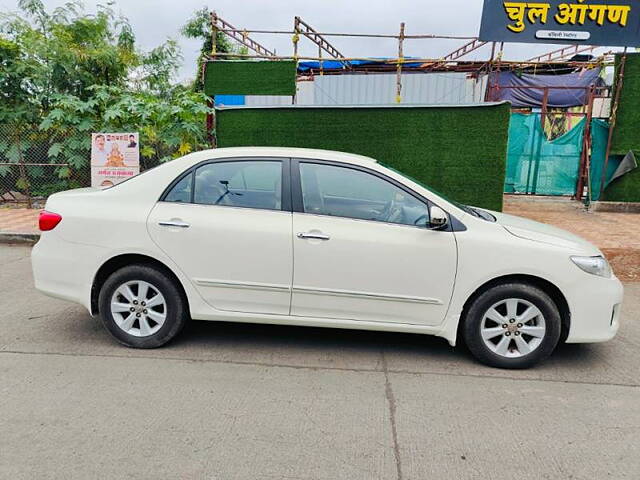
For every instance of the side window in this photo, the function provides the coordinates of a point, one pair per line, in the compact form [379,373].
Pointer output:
[249,184]
[181,191]
[345,192]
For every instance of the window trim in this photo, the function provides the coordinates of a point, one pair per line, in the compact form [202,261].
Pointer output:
[285,194]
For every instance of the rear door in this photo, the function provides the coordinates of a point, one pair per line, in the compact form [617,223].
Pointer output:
[227,225]
[362,249]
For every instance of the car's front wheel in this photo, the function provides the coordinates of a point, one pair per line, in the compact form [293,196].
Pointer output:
[513,325]
[142,307]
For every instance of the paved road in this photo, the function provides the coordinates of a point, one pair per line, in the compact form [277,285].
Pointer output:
[230,401]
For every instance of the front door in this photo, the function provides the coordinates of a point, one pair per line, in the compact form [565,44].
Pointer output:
[224,224]
[362,250]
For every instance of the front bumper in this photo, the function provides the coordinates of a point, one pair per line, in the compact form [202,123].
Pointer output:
[595,309]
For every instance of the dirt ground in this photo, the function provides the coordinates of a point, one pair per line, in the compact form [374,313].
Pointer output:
[616,234]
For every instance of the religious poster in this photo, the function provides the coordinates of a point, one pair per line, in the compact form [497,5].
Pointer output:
[114,158]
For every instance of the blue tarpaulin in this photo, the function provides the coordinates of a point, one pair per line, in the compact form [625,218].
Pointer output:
[334,64]
[527,90]
[222,100]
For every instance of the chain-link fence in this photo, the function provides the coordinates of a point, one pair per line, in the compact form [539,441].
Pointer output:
[29,173]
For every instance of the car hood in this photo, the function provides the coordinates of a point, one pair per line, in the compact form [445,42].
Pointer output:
[543,233]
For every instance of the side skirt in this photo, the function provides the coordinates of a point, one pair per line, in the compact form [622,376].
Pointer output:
[446,330]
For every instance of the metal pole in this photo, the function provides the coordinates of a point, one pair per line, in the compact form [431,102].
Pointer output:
[536,170]
[543,112]
[296,37]
[612,122]
[214,32]
[399,69]
[488,93]
[585,157]
[211,119]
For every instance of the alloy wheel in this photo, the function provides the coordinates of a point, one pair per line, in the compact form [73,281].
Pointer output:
[513,327]
[138,308]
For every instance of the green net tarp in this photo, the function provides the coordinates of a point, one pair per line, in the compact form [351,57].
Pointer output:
[540,166]
[239,77]
[599,138]
[550,167]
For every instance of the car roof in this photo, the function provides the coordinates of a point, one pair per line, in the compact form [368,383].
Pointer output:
[281,152]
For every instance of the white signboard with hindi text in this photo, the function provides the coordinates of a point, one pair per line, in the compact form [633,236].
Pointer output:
[114,158]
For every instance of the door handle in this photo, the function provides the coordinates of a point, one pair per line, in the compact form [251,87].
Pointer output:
[317,236]
[174,223]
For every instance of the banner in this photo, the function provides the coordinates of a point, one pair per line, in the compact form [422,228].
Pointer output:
[587,22]
[114,158]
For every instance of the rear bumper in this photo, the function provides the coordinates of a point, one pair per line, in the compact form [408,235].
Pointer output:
[595,310]
[63,269]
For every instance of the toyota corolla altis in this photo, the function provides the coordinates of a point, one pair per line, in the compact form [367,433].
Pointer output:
[318,238]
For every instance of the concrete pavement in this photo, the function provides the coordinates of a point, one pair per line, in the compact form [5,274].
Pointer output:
[233,401]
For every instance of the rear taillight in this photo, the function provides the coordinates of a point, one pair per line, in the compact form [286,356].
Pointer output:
[48,221]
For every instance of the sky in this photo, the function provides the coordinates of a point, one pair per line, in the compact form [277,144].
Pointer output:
[154,21]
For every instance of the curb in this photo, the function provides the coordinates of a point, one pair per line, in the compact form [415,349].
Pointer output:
[19,237]
[616,207]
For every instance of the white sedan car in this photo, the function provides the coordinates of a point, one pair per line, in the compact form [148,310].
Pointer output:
[319,238]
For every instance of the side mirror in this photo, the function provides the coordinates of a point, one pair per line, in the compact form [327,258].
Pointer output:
[438,218]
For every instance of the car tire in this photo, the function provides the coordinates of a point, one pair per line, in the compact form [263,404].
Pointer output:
[142,307]
[514,325]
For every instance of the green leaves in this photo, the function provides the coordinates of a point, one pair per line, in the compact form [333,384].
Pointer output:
[55,149]
[112,113]
[65,73]
[14,153]
[168,127]
[64,172]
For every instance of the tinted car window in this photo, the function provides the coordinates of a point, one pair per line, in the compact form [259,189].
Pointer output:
[240,184]
[345,192]
[181,192]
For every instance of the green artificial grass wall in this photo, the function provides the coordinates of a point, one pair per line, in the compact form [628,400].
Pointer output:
[625,188]
[239,77]
[626,133]
[459,151]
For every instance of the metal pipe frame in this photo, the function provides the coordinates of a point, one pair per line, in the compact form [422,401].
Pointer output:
[365,35]
[563,52]
[303,28]
[240,36]
[382,61]
[458,53]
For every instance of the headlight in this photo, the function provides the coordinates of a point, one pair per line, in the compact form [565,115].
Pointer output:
[594,265]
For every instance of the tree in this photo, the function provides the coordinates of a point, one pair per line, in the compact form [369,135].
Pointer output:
[65,73]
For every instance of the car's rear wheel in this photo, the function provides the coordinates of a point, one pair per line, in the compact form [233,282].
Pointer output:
[513,325]
[142,307]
